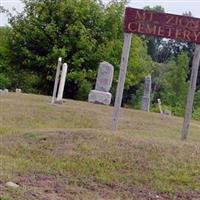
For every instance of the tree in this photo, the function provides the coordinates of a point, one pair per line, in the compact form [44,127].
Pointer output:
[5,71]
[174,83]
[140,65]
[83,32]
[196,113]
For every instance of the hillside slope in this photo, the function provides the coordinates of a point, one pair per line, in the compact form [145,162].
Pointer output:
[69,152]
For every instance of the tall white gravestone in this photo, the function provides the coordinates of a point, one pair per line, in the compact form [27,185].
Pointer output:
[101,94]
[62,83]
[56,80]
[147,94]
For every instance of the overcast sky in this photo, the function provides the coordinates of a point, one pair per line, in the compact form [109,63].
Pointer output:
[170,6]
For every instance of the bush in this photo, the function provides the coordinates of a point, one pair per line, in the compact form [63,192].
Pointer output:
[136,98]
[155,108]
[82,32]
[84,90]
[196,114]
[197,99]
[178,110]
[4,81]
[28,82]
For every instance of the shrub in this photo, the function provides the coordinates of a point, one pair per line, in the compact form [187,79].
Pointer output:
[196,113]
[84,90]
[4,81]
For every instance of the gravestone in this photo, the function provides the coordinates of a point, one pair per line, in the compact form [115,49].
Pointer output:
[105,77]
[147,94]
[57,79]
[17,90]
[5,90]
[101,94]
[160,106]
[167,112]
[62,83]
[100,97]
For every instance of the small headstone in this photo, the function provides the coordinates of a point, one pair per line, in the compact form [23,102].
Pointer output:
[1,91]
[167,112]
[5,90]
[160,106]
[12,185]
[101,93]
[17,90]
[147,94]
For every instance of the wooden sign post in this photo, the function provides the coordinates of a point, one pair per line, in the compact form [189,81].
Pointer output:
[190,97]
[122,77]
[163,25]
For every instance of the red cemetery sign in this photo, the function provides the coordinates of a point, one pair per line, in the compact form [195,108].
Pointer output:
[161,24]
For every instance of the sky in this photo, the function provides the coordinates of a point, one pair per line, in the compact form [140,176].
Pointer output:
[170,6]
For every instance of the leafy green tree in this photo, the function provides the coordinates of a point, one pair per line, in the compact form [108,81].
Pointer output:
[196,113]
[83,32]
[140,65]
[5,70]
[197,99]
[174,83]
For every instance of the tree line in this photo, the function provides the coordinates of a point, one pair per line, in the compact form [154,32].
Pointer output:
[84,33]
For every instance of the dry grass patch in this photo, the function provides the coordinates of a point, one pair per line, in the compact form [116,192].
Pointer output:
[68,152]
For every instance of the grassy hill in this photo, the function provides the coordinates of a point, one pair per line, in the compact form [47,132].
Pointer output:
[68,151]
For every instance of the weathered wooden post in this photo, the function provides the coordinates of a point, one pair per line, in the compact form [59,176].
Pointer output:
[191,92]
[55,88]
[62,83]
[122,77]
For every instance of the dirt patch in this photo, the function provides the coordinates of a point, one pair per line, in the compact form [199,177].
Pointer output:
[95,159]
[147,194]
[2,188]
[41,187]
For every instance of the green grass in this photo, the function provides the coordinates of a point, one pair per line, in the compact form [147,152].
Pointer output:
[70,152]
